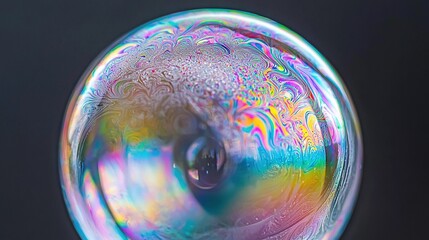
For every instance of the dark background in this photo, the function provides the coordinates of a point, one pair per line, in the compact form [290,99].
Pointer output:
[378,47]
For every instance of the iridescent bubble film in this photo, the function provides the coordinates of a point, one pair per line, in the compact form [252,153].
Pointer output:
[210,124]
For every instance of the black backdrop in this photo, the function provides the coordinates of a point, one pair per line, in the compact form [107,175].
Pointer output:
[378,47]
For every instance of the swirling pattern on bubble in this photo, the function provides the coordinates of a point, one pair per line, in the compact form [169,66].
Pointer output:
[210,124]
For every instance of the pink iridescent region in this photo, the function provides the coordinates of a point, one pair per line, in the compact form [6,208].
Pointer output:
[210,124]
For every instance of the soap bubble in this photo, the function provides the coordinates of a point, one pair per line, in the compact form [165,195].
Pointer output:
[210,124]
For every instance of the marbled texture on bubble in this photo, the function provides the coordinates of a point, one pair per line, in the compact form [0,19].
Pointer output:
[277,118]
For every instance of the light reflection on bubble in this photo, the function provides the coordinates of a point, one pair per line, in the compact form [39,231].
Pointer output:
[210,124]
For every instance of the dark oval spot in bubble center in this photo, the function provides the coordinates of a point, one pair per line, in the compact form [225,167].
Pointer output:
[205,161]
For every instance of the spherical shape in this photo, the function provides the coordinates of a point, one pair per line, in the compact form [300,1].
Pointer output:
[210,124]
